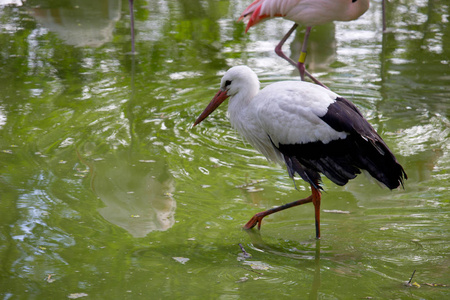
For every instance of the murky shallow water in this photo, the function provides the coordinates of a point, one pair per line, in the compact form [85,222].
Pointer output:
[107,191]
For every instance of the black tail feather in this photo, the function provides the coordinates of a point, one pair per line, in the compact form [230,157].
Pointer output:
[308,175]
[342,160]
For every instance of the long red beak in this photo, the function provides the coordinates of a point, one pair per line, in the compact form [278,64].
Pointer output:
[215,102]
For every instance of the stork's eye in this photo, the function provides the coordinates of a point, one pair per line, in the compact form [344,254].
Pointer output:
[353,1]
[227,83]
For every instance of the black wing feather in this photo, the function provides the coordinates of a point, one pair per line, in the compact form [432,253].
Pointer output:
[341,160]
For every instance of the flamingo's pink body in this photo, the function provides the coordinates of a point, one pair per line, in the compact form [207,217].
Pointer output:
[305,12]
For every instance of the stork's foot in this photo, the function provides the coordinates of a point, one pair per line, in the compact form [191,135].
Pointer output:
[256,219]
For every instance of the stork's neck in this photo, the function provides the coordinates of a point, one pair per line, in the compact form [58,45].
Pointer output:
[243,113]
[239,107]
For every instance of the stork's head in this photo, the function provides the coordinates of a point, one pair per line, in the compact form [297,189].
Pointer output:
[239,79]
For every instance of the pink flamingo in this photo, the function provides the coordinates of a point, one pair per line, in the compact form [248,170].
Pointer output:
[305,12]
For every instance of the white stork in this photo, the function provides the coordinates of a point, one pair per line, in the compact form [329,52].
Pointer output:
[309,128]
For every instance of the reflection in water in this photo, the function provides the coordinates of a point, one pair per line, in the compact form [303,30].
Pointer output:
[8,2]
[54,94]
[412,69]
[306,252]
[137,196]
[79,22]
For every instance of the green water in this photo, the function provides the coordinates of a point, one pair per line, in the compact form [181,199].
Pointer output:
[107,192]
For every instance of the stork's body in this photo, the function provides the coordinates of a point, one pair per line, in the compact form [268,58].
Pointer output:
[308,128]
[303,12]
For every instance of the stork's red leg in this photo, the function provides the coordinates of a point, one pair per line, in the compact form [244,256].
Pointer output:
[316,197]
[256,219]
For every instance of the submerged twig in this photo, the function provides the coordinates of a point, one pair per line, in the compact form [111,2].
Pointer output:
[415,284]
[409,282]
[436,284]
[244,253]
[250,270]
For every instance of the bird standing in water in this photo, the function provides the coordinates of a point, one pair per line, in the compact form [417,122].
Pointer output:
[305,12]
[310,129]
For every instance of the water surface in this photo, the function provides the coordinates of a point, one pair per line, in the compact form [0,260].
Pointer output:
[108,191]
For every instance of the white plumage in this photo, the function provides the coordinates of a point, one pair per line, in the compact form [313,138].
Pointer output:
[309,128]
[288,112]
[294,118]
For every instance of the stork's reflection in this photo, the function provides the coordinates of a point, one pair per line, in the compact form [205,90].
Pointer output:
[308,251]
[136,193]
